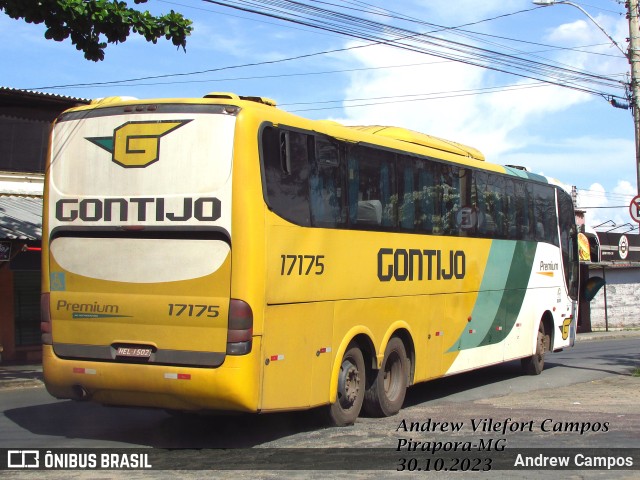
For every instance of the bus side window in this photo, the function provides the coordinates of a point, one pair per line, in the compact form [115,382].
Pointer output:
[416,206]
[372,188]
[481,187]
[285,165]
[568,242]
[499,207]
[491,205]
[524,211]
[447,200]
[407,196]
[545,214]
[353,180]
[325,185]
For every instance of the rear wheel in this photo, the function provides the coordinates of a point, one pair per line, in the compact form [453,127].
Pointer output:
[351,385]
[386,392]
[534,364]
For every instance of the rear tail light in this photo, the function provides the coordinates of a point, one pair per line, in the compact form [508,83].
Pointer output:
[45,319]
[240,332]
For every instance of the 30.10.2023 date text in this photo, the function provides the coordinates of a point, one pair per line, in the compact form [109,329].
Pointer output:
[442,464]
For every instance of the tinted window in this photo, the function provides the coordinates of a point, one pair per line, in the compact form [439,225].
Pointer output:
[326,190]
[372,188]
[286,172]
[320,181]
[492,205]
[446,196]
[568,242]
[417,200]
[545,214]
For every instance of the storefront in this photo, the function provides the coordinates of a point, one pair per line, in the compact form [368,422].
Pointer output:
[25,121]
[617,304]
[20,236]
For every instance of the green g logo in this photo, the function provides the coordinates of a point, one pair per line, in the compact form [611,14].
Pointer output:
[137,144]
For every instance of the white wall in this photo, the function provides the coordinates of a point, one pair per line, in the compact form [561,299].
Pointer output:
[623,299]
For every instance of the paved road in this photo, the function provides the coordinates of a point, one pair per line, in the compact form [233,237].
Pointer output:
[588,386]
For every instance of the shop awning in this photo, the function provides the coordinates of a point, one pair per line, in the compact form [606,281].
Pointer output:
[20,217]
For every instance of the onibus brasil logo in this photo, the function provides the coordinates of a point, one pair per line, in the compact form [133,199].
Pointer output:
[137,144]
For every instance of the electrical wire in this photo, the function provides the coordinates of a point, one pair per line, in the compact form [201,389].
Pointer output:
[565,79]
[412,98]
[367,30]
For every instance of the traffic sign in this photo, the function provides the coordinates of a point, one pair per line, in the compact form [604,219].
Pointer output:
[634,208]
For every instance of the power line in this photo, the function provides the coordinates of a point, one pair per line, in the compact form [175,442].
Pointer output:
[602,192]
[198,72]
[368,30]
[261,77]
[600,8]
[615,206]
[481,34]
[414,97]
[447,58]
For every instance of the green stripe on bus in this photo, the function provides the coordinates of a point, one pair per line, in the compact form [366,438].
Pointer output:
[516,172]
[514,294]
[501,295]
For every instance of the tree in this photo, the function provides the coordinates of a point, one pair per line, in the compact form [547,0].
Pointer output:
[87,21]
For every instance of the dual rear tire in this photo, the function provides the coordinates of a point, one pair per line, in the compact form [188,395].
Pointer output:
[534,364]
[380,395]
[388,387]
[351,386]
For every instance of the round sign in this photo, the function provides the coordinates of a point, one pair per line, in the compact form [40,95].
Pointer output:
[623,247]
[634,208]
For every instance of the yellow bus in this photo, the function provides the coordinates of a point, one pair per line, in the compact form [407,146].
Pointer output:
[220,254]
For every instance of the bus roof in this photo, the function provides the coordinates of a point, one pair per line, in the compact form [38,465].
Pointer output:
[410,136]
[389,132]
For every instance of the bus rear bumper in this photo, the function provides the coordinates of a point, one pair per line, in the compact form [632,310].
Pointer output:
[234,386]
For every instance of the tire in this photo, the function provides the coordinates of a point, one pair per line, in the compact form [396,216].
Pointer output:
[351,386]
[534,364]
[385,395]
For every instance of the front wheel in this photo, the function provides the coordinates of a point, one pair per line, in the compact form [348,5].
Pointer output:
[351,385]
[386,392]
[534,364]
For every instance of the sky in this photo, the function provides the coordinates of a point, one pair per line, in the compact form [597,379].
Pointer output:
[570,134]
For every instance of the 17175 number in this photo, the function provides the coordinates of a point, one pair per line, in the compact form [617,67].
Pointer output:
[190,310]
[302,264]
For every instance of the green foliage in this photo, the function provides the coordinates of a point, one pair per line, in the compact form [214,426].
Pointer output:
[87,22]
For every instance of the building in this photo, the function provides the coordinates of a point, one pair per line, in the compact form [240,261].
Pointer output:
[617,304]
[25,120]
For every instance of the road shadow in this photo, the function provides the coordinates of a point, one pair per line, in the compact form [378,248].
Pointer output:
[442,388]
[601,358]
[159,429]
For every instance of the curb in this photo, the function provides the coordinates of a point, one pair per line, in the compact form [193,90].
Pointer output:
[15,384]
[21,376]
[611,335]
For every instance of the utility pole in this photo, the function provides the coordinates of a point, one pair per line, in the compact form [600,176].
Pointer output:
[633,55]
[634,60]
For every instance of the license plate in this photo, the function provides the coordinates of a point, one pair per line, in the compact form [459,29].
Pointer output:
[134,352]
